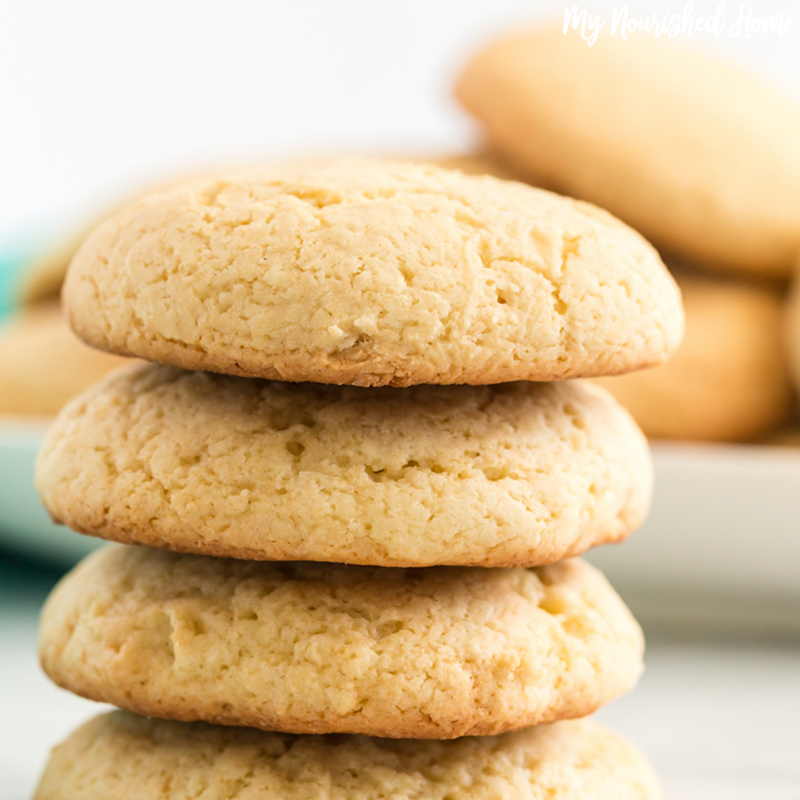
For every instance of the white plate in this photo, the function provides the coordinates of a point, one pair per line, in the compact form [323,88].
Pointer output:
[722,538]
[725,523]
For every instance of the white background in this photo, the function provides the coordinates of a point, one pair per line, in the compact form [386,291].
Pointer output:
[98,97]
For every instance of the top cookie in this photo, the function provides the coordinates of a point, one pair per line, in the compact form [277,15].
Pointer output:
[697,155]
[374,273]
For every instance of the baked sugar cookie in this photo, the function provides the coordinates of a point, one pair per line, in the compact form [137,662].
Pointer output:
[698,155]
[374,273]
[43,364]
[511,475]
[303,647]
[729,379]
[122,755]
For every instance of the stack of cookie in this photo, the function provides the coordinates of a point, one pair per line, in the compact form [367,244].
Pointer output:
[371,553]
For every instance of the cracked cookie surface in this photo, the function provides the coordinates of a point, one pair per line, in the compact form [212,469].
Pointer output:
[374,273]
[122,755]
[302,647]
[510,475]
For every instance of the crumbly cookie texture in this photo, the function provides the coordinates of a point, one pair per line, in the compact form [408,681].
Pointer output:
[122,755]
[43,365]
[373,273]
[303,647]
[729,379]
[699,156]
[510,475]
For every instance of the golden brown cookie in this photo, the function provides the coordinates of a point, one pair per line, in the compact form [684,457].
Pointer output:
[792,331]
[303,647]
[43,364]
[697,154]
[728,381]
[510,475]
[120,755]
[374,273]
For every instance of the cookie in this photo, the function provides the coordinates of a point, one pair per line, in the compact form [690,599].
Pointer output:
[480,162]
[698,155]
[787,436]
[374,273]
[729,379]
[792,331]
[43,364]
[43,277]
[511,475]
[303,647]
[122,755]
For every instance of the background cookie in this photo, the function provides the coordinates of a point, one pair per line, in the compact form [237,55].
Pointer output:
[481,162]
[697,155]
[792,331]
[728,380]
[43,364]
[510,475]
[122,755]
[373,273]
[320,648]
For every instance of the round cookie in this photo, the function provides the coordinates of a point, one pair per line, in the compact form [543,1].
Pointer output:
[303,647]
[511,475]
[122,755]
[729,379]
[374,273]
[698,155]
[43,364]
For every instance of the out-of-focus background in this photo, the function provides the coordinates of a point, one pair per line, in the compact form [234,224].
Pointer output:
[101,102]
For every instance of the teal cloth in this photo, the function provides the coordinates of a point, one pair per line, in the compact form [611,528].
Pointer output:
[13,261]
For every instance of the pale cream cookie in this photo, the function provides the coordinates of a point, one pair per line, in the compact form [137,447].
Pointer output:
[43,364]
[120,755]
[303,647]
[697,154]
[511,475]
[374,273]
[729,380]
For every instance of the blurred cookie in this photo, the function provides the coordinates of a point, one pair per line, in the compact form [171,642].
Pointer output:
[788,436]
[728,380]
[695,153]
[43,277]
[792,333]
[511,475]
[374,273]
[43,364]
[482,162]
[321,648]
[120,755]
